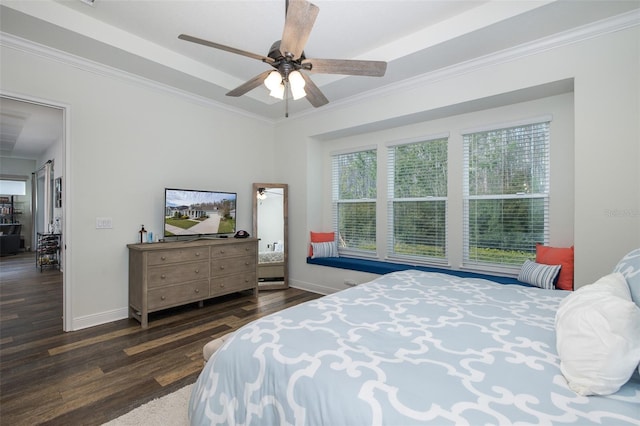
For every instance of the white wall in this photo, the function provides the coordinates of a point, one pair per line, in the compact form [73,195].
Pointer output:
[605,176]
[127,142]
[56,154]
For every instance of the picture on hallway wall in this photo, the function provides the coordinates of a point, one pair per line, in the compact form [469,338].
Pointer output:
[58,192]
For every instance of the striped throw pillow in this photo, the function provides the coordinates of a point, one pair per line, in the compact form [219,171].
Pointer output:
[327,249]
[539,275]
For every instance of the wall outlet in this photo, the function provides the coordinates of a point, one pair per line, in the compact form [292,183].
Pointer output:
[350,283]
[104,223]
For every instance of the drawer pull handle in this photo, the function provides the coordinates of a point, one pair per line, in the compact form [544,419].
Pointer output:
[197,271]
[197,290]
[162,298]
[197,254]
[221,267]
[163,276]
[246,263]
[221,284]
[163,258]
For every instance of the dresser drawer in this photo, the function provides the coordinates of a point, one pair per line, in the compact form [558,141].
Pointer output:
[232,265]
[178,294]
[231,283]
[175,256]
[177,273]
[234,250]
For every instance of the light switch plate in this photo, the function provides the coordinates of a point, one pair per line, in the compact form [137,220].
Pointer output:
[104,223]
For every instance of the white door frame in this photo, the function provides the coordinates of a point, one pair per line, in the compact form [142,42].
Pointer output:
[67,320]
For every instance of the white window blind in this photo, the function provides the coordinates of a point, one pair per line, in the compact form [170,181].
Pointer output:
[354,201]
[417,200]
[506,194]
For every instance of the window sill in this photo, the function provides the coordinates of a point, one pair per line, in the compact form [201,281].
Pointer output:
[381,268]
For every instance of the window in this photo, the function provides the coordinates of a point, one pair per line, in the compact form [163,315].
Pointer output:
[13,187]
[417,202]
[354,201]
[506,194]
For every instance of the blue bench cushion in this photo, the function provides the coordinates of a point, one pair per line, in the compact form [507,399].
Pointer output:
[381,268]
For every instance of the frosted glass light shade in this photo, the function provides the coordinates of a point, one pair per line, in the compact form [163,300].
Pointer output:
[278,92]
[297,85]
[273,80]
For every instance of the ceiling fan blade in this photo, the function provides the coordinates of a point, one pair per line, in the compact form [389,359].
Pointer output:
[301,15]
[347,67]
[314,95]
[249,85]
[225,48]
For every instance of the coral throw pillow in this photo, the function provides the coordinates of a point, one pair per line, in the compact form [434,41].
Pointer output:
[558,256]
[321,237]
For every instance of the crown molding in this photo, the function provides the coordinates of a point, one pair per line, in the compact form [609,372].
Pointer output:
[579,34]
[576,35]
[11,41]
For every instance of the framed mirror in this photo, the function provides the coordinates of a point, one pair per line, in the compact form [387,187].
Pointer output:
[270,226]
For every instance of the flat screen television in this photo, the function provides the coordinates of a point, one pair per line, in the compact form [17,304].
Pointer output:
[191,213]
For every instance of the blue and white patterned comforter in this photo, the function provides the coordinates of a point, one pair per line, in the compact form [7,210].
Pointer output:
[408,348]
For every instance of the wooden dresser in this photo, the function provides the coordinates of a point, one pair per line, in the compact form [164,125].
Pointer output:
[163,275]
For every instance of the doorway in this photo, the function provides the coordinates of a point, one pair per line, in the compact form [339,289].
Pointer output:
[37,130]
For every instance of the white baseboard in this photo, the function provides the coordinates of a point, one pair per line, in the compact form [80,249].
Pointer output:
[312,287]
[99,318]
[122,313]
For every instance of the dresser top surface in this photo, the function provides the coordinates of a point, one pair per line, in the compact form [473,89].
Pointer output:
[202,242]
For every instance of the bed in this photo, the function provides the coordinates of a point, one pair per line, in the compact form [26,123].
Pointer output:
[407,348]
[271,265]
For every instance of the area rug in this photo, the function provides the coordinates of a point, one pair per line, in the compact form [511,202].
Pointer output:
[168,410]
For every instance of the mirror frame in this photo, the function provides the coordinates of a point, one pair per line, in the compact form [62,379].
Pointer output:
[285,226]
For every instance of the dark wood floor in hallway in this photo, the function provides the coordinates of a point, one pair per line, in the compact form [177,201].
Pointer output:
[91,376]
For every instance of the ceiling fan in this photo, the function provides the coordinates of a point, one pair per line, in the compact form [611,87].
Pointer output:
[288,58]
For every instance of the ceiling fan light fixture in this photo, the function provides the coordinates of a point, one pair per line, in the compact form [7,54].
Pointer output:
[273,80]
[298,94]
[278,92]
[296,81]
[287,57]
[261,194]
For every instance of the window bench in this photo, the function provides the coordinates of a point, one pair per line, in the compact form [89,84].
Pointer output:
[381,268]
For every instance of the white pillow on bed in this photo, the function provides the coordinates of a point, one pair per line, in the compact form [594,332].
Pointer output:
[598,336]
[629,266]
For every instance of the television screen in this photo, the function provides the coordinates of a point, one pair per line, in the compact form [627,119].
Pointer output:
[193,213]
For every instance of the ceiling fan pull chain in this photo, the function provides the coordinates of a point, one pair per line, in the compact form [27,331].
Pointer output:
[286,99]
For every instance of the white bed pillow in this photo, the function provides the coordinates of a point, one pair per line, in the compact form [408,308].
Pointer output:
[598,336]
[629,266]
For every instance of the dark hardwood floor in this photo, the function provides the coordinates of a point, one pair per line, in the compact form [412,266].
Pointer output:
[91,376]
